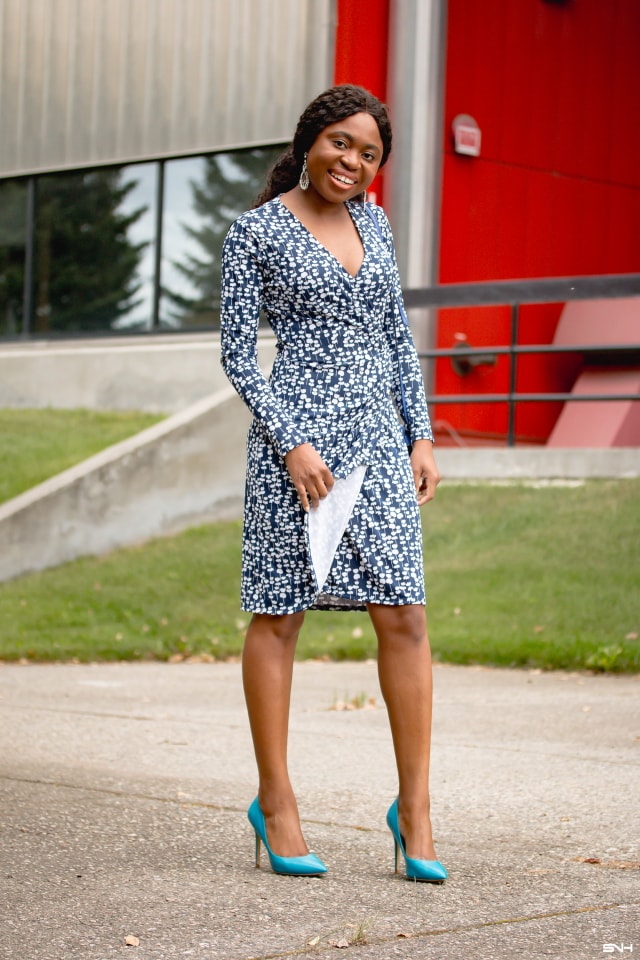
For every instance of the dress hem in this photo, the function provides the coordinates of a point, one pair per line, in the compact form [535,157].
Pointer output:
[334,604]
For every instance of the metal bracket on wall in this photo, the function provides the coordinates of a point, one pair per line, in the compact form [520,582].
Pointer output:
[470,357]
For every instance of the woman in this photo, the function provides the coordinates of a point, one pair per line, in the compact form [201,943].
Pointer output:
[332,497]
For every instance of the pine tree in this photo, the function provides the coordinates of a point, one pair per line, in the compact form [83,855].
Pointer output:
[13,211]
[229,186]
[86,265]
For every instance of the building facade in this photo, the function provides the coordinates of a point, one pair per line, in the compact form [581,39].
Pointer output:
[134,132]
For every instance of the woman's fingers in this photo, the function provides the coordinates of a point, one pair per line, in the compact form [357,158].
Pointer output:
[311,493]
[427,489]
[425,471]
[318,486]
[310,475]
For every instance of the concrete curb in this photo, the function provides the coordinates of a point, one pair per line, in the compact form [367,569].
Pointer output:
[185,470]
[537,463]
[159,374]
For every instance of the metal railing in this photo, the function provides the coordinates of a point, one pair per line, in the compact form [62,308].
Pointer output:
[515,293]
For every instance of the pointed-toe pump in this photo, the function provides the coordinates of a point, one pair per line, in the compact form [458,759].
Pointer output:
[307,866]
[429,871]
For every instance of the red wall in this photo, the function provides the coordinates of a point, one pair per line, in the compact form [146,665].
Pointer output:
[555,89]
[361,55]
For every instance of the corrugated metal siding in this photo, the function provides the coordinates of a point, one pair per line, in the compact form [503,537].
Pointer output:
[94,81]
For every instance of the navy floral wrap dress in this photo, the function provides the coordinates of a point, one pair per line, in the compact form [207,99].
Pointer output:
[335,384]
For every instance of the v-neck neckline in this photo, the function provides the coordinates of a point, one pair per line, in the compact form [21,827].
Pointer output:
[319,243]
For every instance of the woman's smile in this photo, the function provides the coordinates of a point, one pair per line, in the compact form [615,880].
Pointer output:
[343,178]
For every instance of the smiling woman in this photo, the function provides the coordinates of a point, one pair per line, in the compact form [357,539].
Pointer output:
[340,165]
[332,518]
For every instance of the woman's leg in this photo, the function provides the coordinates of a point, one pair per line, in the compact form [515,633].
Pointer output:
[404,667]
[267,669]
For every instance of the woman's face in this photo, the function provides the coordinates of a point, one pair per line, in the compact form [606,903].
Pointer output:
[345,158]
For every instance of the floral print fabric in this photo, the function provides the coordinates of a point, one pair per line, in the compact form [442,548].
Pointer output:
[335,384]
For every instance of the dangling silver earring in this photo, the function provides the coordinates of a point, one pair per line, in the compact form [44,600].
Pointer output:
[304,175]
[364,197]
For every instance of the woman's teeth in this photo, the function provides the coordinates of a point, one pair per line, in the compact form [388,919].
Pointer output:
[340,179]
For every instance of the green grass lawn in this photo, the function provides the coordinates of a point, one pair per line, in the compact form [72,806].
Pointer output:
[516,576]
[37,444]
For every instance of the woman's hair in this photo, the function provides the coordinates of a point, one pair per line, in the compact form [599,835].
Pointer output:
[335,104]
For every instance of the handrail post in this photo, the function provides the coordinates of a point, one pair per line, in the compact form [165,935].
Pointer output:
[513,372]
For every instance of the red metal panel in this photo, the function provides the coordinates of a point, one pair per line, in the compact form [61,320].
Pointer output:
[362,44]
[623,106]
[361,51]
[553,86]
[556,192]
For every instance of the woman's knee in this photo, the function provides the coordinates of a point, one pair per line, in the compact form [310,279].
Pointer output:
[284,628]
[407,623]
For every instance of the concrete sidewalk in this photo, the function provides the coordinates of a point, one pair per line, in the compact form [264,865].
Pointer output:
[124,789]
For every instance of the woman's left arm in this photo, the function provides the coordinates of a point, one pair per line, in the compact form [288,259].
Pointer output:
[426,475]
[411,387]
[409,384]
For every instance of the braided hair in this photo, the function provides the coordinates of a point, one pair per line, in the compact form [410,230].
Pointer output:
[335,104]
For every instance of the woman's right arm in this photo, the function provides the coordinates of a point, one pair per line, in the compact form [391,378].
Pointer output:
[241,303]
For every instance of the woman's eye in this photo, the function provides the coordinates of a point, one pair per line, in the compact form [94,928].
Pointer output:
[369,157]
[339,143]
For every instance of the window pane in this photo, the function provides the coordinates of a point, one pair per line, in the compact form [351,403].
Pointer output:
[139,207]
[13,217]
[202,197]
[94,239]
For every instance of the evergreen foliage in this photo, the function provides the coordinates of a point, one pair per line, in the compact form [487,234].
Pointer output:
[229,186]
[13,206]
[86,264]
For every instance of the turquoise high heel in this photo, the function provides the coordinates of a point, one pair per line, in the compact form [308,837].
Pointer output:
[307,866]
[429,871]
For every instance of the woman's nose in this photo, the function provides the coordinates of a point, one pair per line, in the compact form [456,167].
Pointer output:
[351,159]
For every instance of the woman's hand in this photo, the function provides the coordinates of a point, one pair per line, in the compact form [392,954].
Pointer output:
[310,475]
[426,475]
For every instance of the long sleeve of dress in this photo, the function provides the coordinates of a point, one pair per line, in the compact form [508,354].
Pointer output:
[241,303]
[407,374]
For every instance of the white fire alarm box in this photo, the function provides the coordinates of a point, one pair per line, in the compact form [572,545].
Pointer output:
[467,136]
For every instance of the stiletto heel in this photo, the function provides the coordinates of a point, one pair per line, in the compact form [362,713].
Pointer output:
[257,851]
[429,871]
[307,866]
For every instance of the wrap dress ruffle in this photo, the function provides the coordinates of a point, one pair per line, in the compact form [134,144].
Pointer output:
[335,384]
